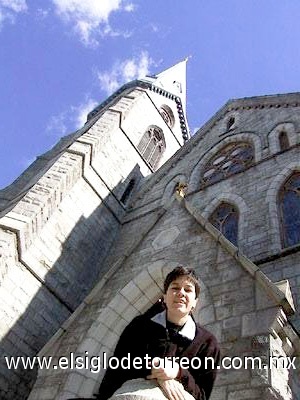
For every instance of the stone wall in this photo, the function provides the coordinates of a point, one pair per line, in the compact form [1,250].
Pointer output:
[237,303]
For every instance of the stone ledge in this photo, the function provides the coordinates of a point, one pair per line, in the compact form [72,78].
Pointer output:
[142,389]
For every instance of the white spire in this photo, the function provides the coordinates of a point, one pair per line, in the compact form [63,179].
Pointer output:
[173,80]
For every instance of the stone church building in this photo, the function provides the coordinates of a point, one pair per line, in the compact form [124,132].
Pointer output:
[89,231]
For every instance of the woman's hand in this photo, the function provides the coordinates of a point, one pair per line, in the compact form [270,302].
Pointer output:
[172,389]
[164,369]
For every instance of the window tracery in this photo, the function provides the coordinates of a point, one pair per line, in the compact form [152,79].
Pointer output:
[167,115]
[289,205]
[232,158]
[225,219]
[152,145]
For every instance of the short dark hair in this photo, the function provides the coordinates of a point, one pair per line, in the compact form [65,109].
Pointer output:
[182,271]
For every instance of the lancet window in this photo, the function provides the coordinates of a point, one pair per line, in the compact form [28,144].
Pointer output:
[230,123]
[226,218]
[289,207]
[152,145]
[283,140]
[232,158]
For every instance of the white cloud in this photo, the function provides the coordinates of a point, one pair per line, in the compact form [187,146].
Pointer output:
[42,13]
[14,5]
[90,16]
[82,111]
[129,7]
[57,126]
[68,121]
[108,31]
[9,9]
[154,27]
[121,72]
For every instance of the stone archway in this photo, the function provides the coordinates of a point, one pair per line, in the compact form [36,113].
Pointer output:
[131,300]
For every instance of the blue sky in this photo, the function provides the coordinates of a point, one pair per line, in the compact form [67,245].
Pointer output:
[60,58]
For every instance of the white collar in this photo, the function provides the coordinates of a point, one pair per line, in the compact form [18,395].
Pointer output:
[188,330]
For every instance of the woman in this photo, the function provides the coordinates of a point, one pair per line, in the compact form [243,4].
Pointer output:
[168,334]
[171,347]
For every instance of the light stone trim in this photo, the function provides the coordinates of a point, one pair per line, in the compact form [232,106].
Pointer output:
[273,136]
[284,333]
[165,238]
[238,202]
[226,118]
[250,137]
[271,200]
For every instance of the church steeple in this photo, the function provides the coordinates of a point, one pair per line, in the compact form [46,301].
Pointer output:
[171,85]
[173,80]
[167,91]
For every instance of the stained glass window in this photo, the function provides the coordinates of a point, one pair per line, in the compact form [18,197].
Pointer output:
[289,204]
[152,145]
[226,219]
[233,158]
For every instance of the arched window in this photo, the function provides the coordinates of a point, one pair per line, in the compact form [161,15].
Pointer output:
[230,123]
[289,207]
[152,145]
[226,219]
[283,140]
[233,158]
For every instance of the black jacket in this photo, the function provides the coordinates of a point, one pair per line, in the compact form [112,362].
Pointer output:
[148,334]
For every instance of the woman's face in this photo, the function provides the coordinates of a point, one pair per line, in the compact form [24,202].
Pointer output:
[180,298]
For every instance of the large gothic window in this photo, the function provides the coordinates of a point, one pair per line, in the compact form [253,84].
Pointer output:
[289,205]
[152,145]
[232,158]
[226,219]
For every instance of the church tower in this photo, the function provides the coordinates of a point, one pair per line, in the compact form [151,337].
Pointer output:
[61,217]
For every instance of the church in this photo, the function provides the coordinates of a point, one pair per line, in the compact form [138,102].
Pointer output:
[90,230]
